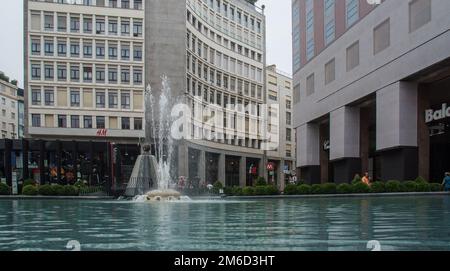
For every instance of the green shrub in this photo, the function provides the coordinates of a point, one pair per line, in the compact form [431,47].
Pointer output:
[29,190]
[80,184]
[409,186]
[290,189]
[344,188]
[260,191]
[217,186]
[58,190]
[357,179]
[436,187]
[70,190]
[393,186]
[304,189]
[248,191]
[260,181]
[420,179]
[329,188]
[45,190]
[236,191]
[360,188]
[316,189]
[5,189]
[378,187]
[423,187]
[272,190]
[28,182]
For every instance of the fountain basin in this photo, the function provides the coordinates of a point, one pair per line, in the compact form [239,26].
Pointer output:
[163,195]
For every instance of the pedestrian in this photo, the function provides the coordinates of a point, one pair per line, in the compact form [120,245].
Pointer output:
[366,179]
[294,179]
[446,182]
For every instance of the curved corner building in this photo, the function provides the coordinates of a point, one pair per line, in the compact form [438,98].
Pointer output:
[87,63]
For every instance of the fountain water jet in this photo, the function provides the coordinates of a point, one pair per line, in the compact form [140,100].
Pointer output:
[151,174]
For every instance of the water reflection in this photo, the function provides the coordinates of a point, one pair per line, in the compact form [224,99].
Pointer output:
[413,223]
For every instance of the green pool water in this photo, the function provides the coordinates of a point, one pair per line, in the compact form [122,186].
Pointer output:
[331,224]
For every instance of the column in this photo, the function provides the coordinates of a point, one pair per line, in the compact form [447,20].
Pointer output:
[58,160]
[183,160]
[202,166]
[42,155]
[365,139]
[8,166]
[25,167]
[324,154]
[222,168]
[308,149]
[423,133]
[281,176]
[345,143]
[243,171]
[397,131]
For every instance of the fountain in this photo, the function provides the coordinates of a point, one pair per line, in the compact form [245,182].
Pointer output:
[151,174]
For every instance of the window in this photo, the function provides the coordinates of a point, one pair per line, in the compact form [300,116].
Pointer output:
[125,123]
[62,121]
[112,27]
[288,118]
[125,52]
[36,120]
[310,45]
[419,14]
[62,48]
[100,122]
[353,56]
[100,75]
[49,72]
[137,123]
[137,77]
[74,24]
[100,99]
[87,50]
[381,37]
[48,47]
[87,74]
[36,71]
[36,97]
[351,12]
[87,25]
[75,121]
[288,104]
[87,122]
[74,73]
[49,97]
[62,23]
[74,49]
[330,71]
[288,134]
[137,53]
[125,76]
[75,98]
[113,51]
[100,51]
[125,27]
[125,100]
[48,22]
[310,85]
[112,75]
[100,26]
[137,29]
[35,46]
[329,23]
[113,99]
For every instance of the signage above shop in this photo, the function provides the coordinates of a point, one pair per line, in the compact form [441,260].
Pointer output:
[434,115]
[102,132]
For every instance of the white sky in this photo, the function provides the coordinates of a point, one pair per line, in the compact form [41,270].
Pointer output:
[278,14]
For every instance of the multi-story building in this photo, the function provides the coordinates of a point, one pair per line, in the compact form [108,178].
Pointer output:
[84,66]
[370,89]
[9,103]
[87,63]
[279,93]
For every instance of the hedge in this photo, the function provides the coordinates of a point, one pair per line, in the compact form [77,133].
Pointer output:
[29,190]
[5,189]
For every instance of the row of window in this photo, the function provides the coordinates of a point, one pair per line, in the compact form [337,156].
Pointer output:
[125,4]
[223,9]
[224,42]
[86,122]
[103,99]
[13,115]
[86,24]
[86,49]
[213,77]
[13,103]
[87,73]
[419,15]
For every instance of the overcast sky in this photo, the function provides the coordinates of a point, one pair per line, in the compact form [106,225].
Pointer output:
[278,13]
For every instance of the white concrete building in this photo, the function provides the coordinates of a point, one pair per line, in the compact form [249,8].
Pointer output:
[9,104]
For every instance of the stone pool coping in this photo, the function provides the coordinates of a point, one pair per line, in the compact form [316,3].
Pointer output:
[367,195]
[20,197]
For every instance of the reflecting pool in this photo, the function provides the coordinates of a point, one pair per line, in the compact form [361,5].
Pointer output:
[328,224]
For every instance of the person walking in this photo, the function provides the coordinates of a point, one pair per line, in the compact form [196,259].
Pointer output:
[446,182]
